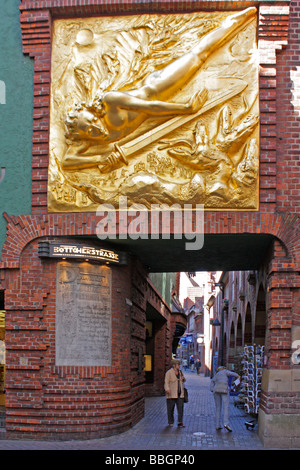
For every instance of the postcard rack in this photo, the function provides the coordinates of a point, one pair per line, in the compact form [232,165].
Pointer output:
[252,364]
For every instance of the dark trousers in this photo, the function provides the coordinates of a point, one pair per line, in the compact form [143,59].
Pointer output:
[171,402]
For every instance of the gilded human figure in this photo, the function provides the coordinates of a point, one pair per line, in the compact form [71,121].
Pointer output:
[114,116]
[127,112]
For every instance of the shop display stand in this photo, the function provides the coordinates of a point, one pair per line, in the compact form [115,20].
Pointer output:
[251,366]
[252,363]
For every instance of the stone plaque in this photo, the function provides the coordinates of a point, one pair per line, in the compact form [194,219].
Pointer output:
[83,314]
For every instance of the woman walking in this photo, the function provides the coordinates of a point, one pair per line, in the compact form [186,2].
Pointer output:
[174,389]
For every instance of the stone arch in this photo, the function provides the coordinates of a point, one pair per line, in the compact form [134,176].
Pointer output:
[239,332]
[232,336]
[260,317]
[225,349]
[232,349]
[248,326]
[216,344]
[214,354]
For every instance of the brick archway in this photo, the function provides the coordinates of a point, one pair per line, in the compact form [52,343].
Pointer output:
[21,230]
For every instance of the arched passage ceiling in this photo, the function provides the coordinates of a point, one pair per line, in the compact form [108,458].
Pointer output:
[226,252]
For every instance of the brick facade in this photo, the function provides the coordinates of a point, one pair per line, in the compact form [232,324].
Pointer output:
[263,311]
[43,399]
[31,304]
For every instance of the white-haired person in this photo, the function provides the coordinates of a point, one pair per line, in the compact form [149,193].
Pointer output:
[174,389]
[220,388]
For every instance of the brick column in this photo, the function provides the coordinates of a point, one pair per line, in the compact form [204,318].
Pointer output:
[279,410]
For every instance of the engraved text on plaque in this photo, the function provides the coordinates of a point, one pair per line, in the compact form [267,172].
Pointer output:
[83,314]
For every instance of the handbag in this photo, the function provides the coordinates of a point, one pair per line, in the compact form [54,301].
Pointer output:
[185,392]
[221,387]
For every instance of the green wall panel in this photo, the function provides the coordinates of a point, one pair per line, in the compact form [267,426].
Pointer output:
[16,95]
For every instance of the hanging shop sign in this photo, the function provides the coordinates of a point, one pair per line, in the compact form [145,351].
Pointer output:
[79,251]
[189,338]
[186,339]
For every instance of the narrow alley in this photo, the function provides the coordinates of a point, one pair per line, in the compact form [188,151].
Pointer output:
[153,432]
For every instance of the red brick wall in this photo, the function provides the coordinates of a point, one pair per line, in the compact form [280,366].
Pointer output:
[278,39]
[43,399]
[288,118]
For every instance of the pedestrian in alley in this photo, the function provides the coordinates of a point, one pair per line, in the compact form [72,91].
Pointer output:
[220,388]
[198,366]
[174,389]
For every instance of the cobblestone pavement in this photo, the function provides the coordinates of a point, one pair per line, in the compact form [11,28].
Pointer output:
[153,432]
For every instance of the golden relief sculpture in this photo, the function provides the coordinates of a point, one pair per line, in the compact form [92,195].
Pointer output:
[157,108]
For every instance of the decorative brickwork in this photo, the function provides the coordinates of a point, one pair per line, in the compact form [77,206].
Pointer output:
[43,399]
[40,396]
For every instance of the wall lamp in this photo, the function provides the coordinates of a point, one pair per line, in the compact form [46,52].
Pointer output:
[220,285]
[210,302]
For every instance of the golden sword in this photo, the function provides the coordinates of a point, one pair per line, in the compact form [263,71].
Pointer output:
[122,152]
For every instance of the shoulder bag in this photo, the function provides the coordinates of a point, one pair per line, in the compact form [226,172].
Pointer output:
[185,391]
[221,387]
